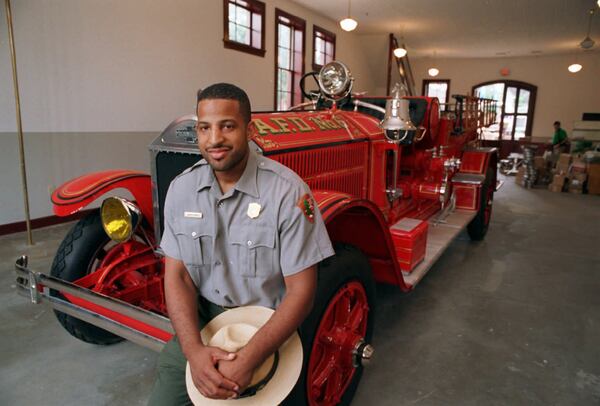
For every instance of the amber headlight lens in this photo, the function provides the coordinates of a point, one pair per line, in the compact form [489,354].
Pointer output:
[120,218]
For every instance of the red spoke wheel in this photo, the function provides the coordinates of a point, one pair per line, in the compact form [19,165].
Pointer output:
[478,227]
[336,331]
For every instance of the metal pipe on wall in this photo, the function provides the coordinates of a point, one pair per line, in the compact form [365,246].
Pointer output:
[19,125]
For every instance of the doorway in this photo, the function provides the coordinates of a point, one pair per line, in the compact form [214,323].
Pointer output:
[514,114]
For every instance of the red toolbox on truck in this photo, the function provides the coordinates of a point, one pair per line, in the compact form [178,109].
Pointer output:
[410,240]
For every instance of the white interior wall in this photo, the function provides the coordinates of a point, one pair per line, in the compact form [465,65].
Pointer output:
[99,79]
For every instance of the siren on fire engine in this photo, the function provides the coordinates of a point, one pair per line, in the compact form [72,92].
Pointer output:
[396,121]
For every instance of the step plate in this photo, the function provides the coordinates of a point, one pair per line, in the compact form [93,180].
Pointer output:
[439,237]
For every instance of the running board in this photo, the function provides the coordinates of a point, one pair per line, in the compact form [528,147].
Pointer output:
[439,237]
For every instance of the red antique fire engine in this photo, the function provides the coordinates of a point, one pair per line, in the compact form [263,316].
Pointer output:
[395,178]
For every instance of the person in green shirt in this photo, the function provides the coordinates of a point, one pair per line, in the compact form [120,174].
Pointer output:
[560,140]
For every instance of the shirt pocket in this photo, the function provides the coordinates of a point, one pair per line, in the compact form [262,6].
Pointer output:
[195,243]
[256,251]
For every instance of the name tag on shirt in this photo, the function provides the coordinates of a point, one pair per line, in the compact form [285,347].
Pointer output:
[192,214]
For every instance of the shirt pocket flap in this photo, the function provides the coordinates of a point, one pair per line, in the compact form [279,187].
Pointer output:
[257,236]
[191,228]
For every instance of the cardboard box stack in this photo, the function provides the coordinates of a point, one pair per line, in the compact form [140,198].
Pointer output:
[564,161]
[577,175]
[559,173]
[593,185]
[558,182]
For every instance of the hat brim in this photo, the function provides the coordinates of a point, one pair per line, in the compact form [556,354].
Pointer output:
[285,376]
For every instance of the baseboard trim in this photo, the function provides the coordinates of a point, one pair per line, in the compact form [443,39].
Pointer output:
[20,226]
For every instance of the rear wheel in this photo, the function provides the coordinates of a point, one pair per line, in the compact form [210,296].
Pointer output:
[336,332]
[478,227]
[79,254]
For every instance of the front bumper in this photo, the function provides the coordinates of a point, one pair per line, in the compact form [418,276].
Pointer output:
[133,323]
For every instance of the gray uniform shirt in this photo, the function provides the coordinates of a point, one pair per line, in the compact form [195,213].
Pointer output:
[238,246]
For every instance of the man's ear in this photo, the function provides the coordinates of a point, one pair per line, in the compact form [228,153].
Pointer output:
[250,130]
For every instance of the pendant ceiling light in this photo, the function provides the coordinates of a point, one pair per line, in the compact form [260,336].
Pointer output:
[587,42]
[574,68]
[433,72]
[399,52]
[348,23]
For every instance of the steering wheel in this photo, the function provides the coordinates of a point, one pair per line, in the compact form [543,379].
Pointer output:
[313,95]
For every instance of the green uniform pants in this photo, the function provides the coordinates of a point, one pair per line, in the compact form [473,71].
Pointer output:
[169,387]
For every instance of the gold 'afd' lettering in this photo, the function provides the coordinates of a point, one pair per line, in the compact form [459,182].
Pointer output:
[300,124]
[264,128]
[281,125]
[324,124]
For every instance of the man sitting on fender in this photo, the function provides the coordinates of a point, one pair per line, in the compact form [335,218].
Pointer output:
[240,229]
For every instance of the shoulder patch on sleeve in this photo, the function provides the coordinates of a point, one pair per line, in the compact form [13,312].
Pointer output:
[306,204]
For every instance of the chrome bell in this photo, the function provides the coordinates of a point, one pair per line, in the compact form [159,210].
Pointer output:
[396,121]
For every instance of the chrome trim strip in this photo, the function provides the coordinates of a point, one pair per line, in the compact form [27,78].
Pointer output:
[368,105]
[468,178]
[24,276]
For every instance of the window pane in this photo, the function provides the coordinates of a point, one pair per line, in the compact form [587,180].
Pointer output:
[508,127]
[284,100]
[256,22]
[511,98]
[319,45]
[523,102]
[520,127]
[298,39]
[438,90]
[283,60]
[232,12]
[329,49]
[242,17]
[284,36]
[297,62]
[232,36]
[242,34]
[320,58]
[256,39]
[297,92]
[285,80]
[494,91]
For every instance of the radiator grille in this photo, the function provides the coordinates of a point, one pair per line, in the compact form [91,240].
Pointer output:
[342,168]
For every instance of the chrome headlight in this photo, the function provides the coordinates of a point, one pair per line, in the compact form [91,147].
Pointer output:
[335,80]
[120,218]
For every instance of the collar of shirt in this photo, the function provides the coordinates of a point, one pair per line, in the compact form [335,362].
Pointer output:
[247,183]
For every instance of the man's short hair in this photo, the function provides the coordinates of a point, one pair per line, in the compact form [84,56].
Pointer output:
[229,92]
[557,123]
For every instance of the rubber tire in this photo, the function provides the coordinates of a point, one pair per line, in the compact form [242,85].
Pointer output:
[72,261]
[477,228]
[347,265]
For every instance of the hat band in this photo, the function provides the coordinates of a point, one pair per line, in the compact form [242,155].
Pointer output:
[251,390]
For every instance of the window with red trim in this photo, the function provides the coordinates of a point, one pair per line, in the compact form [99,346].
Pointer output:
[323,47]
[243,26]
[289,59]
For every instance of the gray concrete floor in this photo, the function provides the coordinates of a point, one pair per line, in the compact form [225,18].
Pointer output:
[513,320]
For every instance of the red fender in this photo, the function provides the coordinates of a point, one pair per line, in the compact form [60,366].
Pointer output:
[360,223]
[72,196]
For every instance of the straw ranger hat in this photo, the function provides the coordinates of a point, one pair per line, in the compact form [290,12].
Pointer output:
[273,380]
